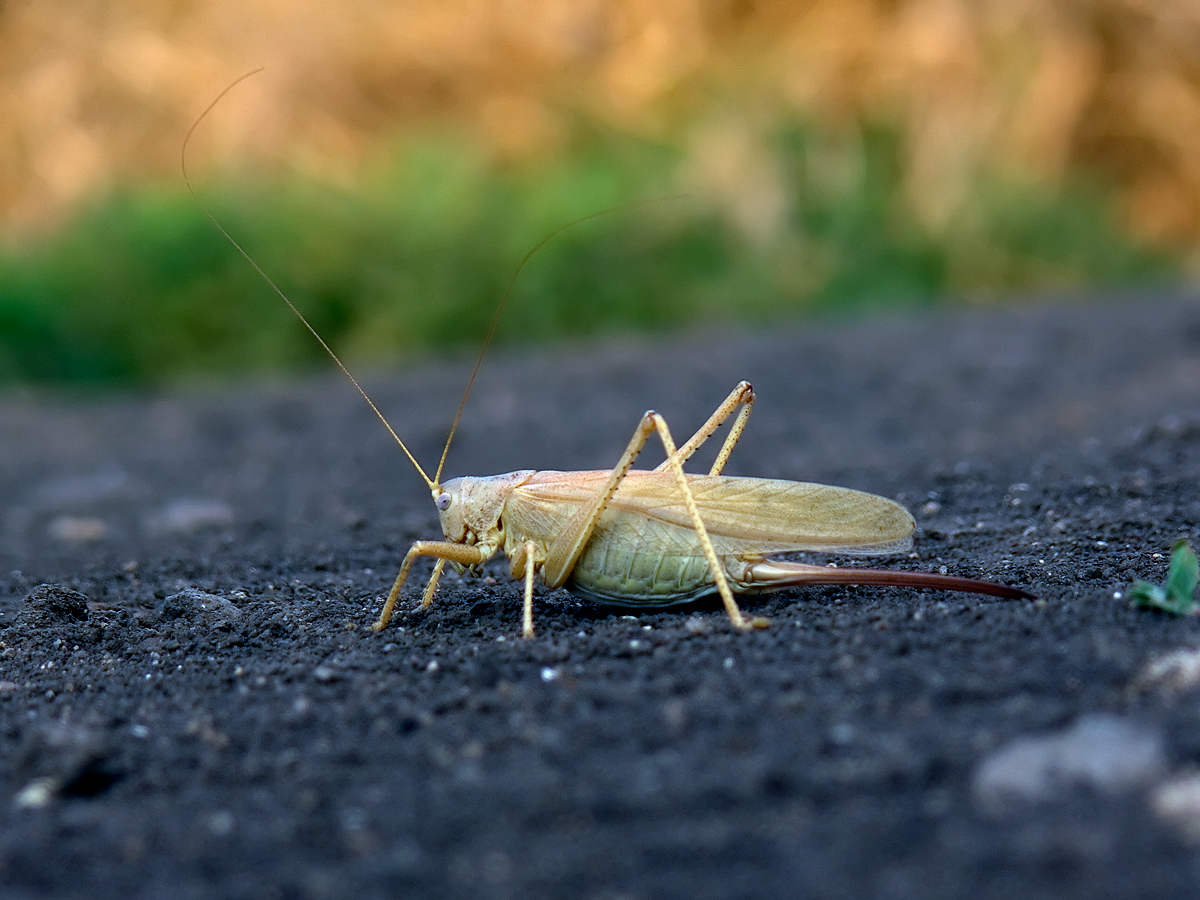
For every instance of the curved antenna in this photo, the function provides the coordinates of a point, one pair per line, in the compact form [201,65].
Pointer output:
[299,315]
[487,341]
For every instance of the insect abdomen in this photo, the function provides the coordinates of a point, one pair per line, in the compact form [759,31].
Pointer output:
[641,563]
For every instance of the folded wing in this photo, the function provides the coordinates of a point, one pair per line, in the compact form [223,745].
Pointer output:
[742,515]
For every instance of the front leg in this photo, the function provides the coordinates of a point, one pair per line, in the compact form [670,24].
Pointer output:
[530,550]
[442,551]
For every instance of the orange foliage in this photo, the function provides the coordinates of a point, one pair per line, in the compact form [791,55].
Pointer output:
[97,90]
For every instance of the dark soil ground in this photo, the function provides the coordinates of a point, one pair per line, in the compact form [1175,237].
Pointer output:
[211,716]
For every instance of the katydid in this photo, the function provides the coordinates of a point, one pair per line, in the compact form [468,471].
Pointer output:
[648,539]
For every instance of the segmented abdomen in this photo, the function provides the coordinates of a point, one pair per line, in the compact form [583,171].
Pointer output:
[636,561]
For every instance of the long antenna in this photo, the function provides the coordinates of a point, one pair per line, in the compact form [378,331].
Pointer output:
[487,341]
[284,297]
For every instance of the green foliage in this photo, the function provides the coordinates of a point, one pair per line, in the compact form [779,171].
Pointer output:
[1177,596]
[140,287]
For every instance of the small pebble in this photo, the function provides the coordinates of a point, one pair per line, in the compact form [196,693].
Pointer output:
[190,514]
[77,529]
[1100,751]
[1177,802]
[36,794]
[1177,670]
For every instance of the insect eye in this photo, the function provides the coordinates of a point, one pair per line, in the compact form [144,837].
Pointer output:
[443,501]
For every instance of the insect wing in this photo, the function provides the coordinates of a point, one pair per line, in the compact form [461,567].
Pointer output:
[742,515]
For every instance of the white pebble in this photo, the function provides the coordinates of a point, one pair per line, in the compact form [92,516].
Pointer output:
[1100,751]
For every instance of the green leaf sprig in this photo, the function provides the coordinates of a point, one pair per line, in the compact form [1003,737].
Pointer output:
[1177,596]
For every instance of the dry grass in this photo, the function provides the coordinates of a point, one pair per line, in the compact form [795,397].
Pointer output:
[98,90]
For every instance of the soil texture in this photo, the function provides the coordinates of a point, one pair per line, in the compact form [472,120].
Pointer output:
[192,703]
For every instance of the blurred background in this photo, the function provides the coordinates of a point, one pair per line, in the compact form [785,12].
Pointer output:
[395,161]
